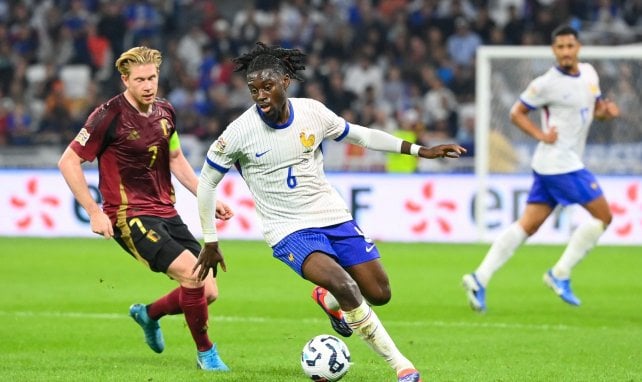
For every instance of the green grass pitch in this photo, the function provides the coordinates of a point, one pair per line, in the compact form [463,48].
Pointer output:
[64,303]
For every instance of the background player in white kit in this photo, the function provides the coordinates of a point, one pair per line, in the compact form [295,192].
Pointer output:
[276,144]
[569,96]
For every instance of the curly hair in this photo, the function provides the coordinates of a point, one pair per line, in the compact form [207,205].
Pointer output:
[282,60]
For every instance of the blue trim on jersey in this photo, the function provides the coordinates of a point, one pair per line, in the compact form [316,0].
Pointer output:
[567,73]
[343,135]
[275,125]
[529,106]
[215,166]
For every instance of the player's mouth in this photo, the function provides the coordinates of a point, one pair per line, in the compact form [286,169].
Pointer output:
[265,108]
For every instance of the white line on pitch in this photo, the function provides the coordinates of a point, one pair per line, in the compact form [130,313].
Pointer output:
[249,319]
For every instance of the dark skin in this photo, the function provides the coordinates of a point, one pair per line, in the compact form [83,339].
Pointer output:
[268,89]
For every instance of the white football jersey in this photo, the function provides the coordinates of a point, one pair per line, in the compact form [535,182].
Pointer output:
[283,166]
[567,102]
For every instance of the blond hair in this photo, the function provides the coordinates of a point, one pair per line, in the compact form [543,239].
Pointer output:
[139,55]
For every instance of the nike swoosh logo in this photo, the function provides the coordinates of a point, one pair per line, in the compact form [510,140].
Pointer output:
[258,155]
[370,248]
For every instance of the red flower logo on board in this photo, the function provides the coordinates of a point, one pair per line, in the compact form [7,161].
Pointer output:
[629,215]
[431,212]
[33,208]
[227,189]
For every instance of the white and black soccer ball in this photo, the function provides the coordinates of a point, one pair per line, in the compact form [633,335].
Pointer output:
[325,358]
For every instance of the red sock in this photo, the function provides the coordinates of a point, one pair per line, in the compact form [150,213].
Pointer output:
[168,304]
[194,305]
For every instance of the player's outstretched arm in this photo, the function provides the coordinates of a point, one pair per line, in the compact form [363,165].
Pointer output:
[441,151]
[382,141]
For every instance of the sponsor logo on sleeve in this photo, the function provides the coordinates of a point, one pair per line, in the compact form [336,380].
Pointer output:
[82,137]
[219,145]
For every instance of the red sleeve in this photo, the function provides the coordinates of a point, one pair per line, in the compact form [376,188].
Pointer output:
[92,138]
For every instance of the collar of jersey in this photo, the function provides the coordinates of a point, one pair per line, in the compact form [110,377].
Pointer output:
[567,73]
[276,125]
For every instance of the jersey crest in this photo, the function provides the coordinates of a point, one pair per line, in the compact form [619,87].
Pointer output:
[307,141]
[164,123]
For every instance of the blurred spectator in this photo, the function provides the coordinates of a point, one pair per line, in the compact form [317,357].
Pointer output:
[143,23]
[363,73]
[372,59]
[463,44]
[440,108]
[19,129]
[409,129]
[4,124]
[514,27]
[112,25]
[6,66]
[57,116]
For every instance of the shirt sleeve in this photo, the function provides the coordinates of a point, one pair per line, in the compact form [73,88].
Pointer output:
[535,94]
[206,197]
[91,137]
[220,157]
[335,127]
[373,139]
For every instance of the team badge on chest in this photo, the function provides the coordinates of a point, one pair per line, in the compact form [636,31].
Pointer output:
[307,141]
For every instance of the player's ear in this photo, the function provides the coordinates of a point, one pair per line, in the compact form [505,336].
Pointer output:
[286,81]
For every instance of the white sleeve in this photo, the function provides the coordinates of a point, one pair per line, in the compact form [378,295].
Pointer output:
[206,197]
[373,139]
[535,95]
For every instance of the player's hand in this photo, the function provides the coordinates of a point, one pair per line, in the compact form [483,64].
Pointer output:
[549,135]
[223,211]
[100,224]
[442,151]
[610,109]
[209,258]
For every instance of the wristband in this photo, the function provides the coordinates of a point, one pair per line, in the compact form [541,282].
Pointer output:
[414,150]
[210,237]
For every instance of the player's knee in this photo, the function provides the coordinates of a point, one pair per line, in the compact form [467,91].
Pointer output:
[345,291]
[379,297]
[211,297]
[211,292]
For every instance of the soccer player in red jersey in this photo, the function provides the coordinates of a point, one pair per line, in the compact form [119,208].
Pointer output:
[134,137]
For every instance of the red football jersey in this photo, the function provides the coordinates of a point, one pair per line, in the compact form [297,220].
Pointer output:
[133,157]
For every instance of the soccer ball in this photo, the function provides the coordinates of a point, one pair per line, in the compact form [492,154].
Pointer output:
[325,358]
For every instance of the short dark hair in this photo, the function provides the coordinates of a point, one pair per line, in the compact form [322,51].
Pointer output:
[563,30]
[281,60]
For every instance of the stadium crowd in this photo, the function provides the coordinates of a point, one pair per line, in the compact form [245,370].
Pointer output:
[405,66]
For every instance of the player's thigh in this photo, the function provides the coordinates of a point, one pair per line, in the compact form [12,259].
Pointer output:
[181,270]
[372,280]
[323,270]
[599,209]
[534,216]
[156,241]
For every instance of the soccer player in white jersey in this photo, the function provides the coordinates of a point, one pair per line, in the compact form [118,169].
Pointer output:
[276,144]
[569,96]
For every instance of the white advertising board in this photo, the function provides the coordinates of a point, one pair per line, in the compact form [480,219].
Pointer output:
[415,208]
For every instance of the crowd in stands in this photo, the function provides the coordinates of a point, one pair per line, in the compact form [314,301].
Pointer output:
[399,65]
